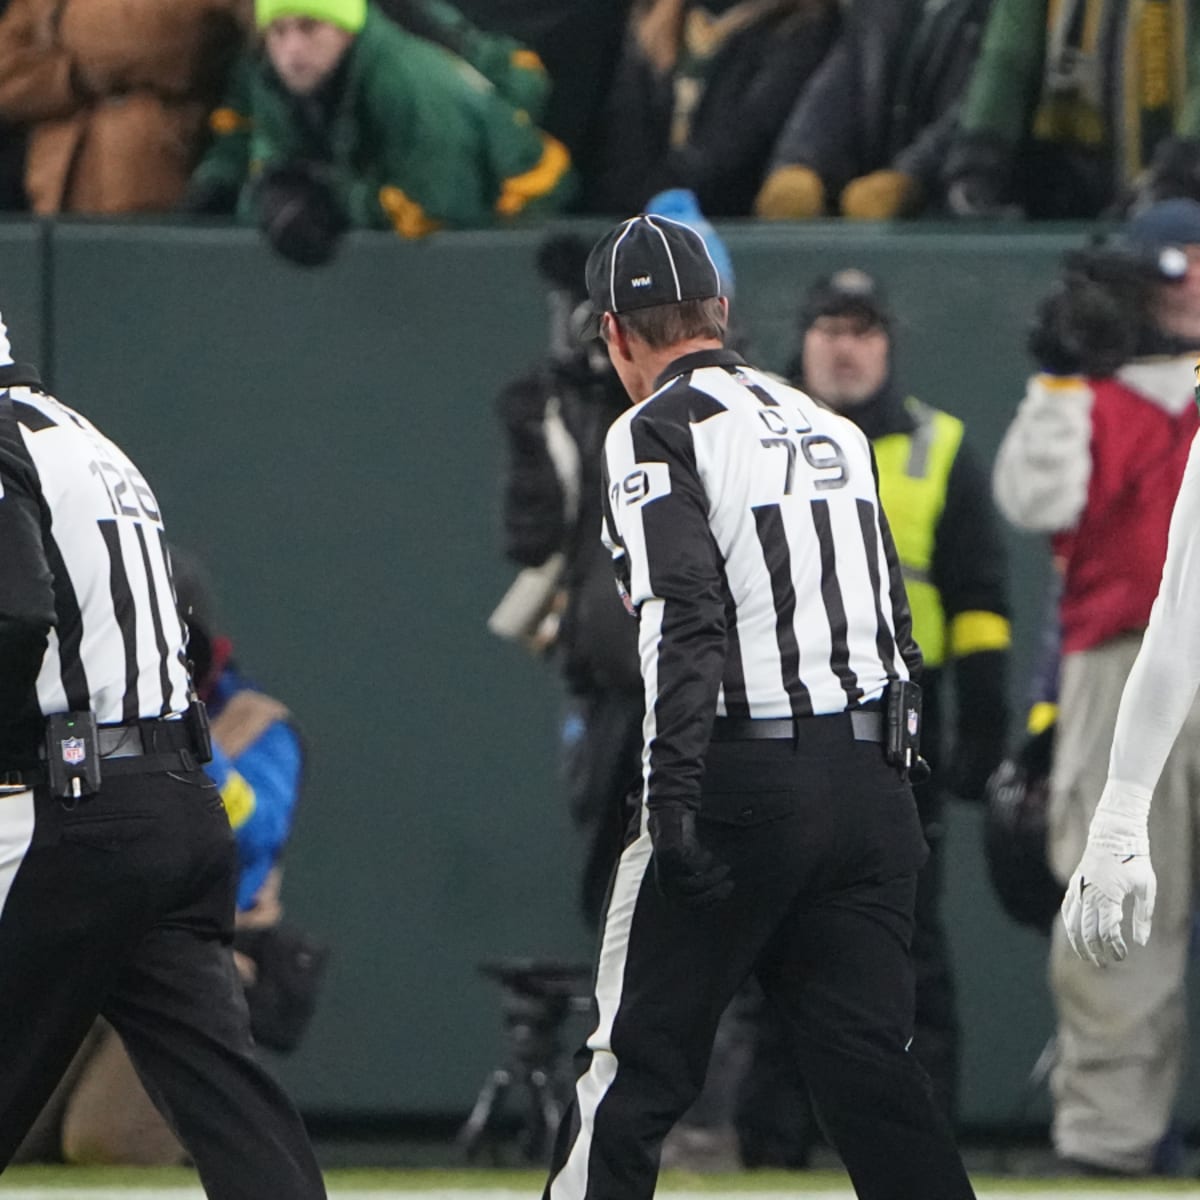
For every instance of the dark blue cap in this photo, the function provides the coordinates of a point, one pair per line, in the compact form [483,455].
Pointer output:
[1173,222]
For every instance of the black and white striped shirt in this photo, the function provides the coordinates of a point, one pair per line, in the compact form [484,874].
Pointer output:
[745,525]
[82,547]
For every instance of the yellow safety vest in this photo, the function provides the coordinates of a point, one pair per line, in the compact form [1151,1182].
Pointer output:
[914,470]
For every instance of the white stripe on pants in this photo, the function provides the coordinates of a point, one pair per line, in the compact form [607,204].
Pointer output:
[571,1181]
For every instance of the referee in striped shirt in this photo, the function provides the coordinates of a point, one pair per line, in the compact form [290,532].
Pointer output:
[117,862]
[774,836]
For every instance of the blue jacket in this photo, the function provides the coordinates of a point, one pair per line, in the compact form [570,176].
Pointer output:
[260,788]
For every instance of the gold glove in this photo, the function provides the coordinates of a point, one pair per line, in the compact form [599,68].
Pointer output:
[792,193]
[880,196]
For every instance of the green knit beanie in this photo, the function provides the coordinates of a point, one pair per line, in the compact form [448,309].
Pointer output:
[350,15]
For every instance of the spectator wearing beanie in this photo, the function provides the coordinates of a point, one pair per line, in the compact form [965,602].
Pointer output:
[343,119]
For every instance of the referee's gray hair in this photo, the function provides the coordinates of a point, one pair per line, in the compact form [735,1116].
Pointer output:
[663,325]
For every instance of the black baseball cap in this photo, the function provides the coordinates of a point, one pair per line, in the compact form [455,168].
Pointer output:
[644,262]
[849,292]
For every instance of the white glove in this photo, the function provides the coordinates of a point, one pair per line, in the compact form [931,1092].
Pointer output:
[1115,864]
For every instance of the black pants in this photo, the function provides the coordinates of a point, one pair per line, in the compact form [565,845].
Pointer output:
[825,844]
[936,1035]
[123,905]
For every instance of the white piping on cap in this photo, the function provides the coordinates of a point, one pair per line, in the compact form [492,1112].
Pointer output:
[703,243]
[670,256]
[612,264]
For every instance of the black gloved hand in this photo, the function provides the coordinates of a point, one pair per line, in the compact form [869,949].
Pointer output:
[299,212]
[684,870]
[977,175]
[977,196]
[290,967]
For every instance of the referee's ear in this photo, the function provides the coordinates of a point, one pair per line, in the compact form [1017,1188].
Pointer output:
[616,337]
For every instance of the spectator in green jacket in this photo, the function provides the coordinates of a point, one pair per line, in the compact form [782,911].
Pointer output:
[516,70]
[342,119]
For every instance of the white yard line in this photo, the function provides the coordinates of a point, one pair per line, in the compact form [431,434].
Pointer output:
[390,1193]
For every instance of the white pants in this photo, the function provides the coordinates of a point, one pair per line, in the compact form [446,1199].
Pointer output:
[1121,1030]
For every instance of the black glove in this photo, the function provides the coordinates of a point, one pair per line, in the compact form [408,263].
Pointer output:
[290,968]
[976,177]
[299,212]
[977,196]
[683,869]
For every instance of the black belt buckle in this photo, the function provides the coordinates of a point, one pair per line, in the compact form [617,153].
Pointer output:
[902,724]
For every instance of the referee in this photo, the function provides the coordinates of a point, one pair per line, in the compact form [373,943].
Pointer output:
[117,864]
[775,836]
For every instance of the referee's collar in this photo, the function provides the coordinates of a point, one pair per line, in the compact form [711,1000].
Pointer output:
[19,375]
[698,359]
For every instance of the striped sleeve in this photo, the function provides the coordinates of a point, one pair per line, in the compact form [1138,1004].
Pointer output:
[26,582]
[658,504]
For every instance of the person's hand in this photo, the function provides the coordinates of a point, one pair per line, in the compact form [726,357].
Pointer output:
[684,870]
[977,176]
[792,192]
[1115,864]
[978,196]
[881,196]
[299,212]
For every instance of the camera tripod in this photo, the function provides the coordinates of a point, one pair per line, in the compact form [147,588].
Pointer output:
[537,998]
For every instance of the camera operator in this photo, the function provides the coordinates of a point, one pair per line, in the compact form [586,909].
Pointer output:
[555,418]
[1094,458]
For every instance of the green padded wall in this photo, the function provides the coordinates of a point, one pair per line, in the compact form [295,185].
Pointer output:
[22,290]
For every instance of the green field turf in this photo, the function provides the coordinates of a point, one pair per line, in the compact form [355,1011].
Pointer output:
[57,1183]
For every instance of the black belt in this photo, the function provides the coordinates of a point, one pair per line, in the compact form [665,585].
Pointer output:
[143,739]
[866,725]
[135,749]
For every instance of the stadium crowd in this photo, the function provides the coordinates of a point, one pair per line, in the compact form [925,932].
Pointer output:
[313,116]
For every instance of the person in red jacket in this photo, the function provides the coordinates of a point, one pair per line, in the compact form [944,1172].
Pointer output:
[1094,458]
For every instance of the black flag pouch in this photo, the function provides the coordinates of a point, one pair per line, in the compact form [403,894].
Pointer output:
[902,724]
[72,755]
[195,718]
